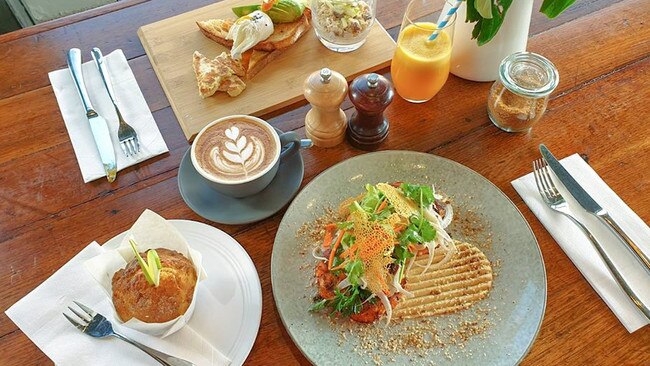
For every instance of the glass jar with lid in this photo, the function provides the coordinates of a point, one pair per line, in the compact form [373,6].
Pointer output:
[518,98]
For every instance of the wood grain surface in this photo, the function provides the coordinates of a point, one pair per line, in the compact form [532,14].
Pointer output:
[170,43]
[47,213]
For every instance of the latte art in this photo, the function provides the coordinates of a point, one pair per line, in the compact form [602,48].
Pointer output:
[240,155]
[235,150]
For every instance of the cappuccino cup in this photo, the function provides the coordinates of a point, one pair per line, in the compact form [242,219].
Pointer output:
[239,155]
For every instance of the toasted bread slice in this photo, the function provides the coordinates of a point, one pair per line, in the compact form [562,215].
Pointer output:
[217,30]
[254,61]
[220,74]
[284,34]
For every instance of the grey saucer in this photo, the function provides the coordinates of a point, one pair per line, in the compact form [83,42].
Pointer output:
[214,206]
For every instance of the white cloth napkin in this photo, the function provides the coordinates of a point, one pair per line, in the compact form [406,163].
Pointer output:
[131,102]
[38,315]
[580,250]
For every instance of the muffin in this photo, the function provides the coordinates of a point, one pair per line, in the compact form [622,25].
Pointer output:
[133,297]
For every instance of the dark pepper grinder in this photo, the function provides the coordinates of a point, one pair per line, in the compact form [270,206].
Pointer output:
[370,94]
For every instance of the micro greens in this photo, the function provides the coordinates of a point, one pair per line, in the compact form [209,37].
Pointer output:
[372,199]
[151,268]
[354,270]
[346,302]
[345,225]
[347,240]
[371,202]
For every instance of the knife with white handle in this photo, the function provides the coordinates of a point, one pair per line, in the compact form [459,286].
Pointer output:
[591,206]
[98,125]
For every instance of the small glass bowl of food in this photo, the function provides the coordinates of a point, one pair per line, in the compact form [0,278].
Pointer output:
[343,25]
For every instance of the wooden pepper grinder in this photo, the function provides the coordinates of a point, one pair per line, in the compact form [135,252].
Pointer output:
[370,94]
[325,123]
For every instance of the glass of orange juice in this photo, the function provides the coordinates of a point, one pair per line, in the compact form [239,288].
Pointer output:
[420,67]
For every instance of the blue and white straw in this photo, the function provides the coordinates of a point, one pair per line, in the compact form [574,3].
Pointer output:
[445,20]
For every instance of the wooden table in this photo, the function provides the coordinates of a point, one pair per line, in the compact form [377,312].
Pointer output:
[600,109]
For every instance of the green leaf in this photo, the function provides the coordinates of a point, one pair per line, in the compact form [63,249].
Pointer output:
[345,225]
[347,240]
[553,8]
[372,199]
[472,14]
[427,231]
[422,195]
[354,270]
[355,206]
[485,29]
[401,253]
[484,8]
[348,302]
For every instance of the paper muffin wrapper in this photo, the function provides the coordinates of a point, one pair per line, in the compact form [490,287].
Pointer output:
[150,231]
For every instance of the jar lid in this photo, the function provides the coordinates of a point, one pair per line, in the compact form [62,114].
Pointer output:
[529,74]
[326,81]
[372,88]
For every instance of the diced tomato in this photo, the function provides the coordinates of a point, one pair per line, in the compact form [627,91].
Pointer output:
[268,4]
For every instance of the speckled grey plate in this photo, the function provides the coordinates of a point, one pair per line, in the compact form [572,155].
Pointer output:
[517,300]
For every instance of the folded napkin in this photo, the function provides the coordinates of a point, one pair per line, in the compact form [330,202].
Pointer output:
[130,101]
[38,315]
[581,251]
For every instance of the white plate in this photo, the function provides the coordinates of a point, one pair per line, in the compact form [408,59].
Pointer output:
[229,302]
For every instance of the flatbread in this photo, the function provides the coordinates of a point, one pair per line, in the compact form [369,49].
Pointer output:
[459,283]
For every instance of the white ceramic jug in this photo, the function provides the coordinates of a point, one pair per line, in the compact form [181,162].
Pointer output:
[471,62]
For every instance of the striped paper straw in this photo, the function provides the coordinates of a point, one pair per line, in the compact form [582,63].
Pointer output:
[445,20]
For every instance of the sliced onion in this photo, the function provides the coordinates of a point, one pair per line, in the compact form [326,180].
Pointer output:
[450,252]
[343,284]
[335,238]
[363,282]
[408,267]
[398,286]
[431,214]
[315,255]
[449,215]
[434,217]
[386,302]
[432,247]
[368,299]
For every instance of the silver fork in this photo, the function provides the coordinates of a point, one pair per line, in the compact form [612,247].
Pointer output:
[553,199]
[96,325]
[125,133]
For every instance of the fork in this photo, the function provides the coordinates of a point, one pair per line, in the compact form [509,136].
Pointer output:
[554,199]
[96,325]
[125,133]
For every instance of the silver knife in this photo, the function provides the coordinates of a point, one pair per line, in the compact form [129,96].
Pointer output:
[591,206]
[97,123]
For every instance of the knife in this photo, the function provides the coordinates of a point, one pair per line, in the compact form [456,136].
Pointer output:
[591,206]
[98,125]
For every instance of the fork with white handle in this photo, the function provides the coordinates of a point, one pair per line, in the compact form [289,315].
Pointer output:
[125,133]
[553,199]
[96,325]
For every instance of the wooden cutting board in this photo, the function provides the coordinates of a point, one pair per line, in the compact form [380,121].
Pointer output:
[170,43]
